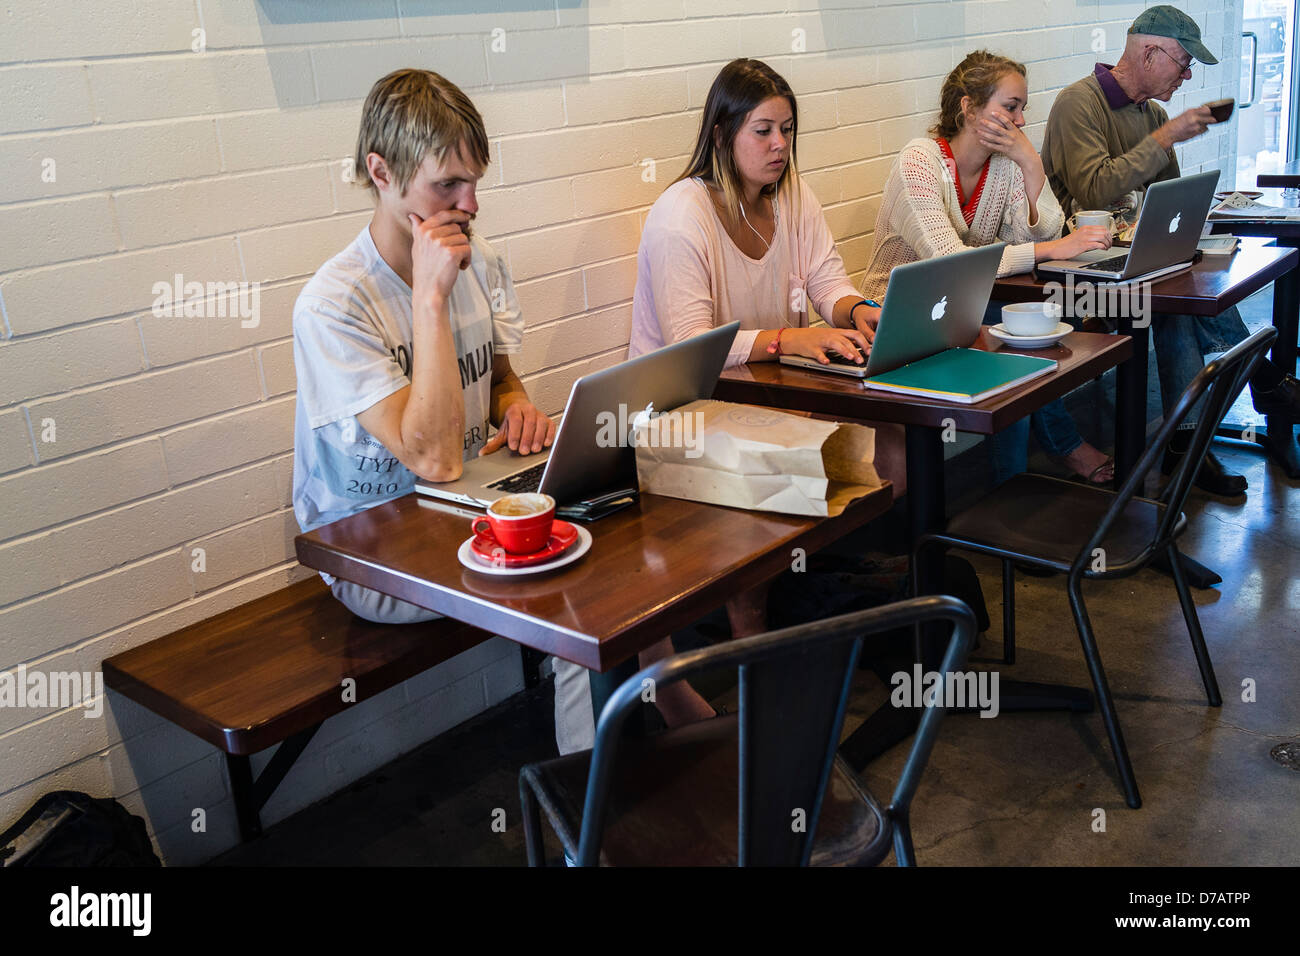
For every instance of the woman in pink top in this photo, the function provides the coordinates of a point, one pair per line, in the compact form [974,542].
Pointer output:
[739,237]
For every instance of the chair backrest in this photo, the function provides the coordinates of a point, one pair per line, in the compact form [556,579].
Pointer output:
[794,692]
[1220,382]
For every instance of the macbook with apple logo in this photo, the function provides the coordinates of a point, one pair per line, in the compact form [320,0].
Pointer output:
[1164,242]
[930,306]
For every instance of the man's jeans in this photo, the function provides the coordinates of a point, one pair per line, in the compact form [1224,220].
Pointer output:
[1182,342]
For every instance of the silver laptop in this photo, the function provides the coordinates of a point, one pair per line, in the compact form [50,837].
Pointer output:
[584,460]
[930,306]
[1164,242]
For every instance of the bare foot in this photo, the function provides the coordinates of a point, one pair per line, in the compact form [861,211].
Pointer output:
[678,703]
[681,703]
[1091,463]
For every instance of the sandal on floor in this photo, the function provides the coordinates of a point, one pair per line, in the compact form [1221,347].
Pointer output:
[1091,477]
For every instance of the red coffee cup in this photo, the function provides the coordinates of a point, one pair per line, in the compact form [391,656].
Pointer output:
[520,523]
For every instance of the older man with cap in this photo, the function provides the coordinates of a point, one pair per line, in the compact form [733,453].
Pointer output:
[1105,138]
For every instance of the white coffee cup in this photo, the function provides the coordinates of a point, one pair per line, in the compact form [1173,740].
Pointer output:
[1092,217]
[1031,318]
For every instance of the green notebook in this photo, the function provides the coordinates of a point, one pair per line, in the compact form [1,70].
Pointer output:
[962,375]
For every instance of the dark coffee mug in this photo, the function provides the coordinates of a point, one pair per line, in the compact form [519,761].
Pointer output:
[1221,109]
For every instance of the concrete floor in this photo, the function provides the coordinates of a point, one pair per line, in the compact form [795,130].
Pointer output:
[1021,789]
[1024,788]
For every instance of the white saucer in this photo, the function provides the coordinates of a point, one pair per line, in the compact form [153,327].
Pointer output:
[1029,341]
[471,561]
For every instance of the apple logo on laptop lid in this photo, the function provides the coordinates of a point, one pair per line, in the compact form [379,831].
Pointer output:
[937,312]
[1173,223]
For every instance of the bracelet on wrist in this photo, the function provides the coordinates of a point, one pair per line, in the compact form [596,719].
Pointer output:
[870,303]
[774,348]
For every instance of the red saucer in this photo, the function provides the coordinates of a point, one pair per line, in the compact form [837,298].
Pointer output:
[489,551]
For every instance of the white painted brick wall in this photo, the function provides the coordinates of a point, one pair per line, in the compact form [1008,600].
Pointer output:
[38,563]
[56,231]
[36,366]
[164,215]
[130,157]
[552,297]
[170,341]
[107,414]
[16,449]
[47,298]
[229,440]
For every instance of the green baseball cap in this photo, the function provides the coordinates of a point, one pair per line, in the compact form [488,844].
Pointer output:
[1167,21]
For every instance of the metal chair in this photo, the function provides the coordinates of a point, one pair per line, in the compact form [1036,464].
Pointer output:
[1088,532]
[763,787]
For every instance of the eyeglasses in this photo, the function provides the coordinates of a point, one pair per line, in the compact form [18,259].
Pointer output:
[1182,67]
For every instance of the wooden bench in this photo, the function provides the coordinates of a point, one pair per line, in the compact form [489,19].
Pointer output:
[271,672]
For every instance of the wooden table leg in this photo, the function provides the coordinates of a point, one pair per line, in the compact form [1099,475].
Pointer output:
[603,685]
[925,508]
[240,769]
[1131,431]
[1131,401]
[1277,438]
[1286,319]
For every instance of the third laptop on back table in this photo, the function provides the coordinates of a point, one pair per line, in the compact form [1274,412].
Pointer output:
[1168,231]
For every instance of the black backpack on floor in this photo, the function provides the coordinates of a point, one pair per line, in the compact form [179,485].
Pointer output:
[69,828]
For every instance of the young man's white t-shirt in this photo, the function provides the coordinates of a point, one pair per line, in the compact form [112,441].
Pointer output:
[352,345]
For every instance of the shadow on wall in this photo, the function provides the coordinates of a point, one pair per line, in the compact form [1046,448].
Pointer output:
[277,12]
[474,43]
[478,43]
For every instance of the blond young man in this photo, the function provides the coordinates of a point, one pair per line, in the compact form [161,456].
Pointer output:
[402,340]
[401,344]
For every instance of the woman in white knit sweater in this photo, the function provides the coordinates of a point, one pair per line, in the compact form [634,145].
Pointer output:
[978,180]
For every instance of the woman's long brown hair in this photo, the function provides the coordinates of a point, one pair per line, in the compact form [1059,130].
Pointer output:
[738,89]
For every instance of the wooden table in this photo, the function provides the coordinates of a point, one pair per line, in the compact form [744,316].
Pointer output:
[1208,288]
[1081,357]
[652,569]
[1288,177]
[1278,436]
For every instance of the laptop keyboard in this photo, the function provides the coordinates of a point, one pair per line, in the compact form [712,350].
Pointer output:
[838,359]
[521,482]
[1113,264]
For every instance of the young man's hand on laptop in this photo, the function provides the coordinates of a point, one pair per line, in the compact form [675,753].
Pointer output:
[520,424]
[524,429]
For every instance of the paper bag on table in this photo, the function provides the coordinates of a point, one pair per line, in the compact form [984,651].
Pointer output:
[743,456]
